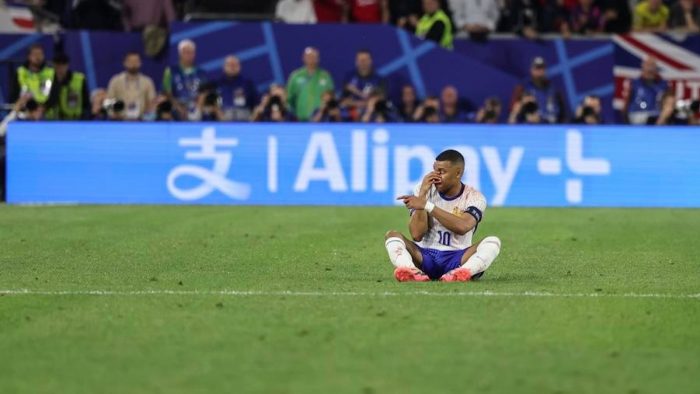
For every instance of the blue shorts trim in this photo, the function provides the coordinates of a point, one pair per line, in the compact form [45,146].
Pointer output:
[439,262]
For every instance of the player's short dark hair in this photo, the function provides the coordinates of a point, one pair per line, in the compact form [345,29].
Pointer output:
[131,53]
[452,156]
[363,50]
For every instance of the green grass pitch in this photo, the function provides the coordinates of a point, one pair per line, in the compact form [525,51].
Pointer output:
[579,301]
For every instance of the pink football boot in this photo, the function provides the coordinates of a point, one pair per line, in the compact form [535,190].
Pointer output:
[405,274]
[457,275]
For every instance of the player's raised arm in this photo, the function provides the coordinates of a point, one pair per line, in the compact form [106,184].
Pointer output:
[418,224]
[457,224]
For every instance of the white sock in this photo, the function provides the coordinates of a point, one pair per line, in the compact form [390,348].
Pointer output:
[486,253]
[398,254]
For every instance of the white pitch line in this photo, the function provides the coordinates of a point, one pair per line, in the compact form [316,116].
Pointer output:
[244,293]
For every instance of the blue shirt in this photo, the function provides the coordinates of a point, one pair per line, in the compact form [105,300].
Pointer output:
[547,100]
[237,92]
[364,84]
[645,96]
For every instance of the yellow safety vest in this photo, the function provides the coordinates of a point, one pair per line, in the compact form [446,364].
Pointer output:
[427,21]
[36,83]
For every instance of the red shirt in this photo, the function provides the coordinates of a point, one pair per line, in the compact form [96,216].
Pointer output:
[366,11]
[328,11]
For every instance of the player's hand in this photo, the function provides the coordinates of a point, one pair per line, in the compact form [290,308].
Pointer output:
[413,202]
[432,178]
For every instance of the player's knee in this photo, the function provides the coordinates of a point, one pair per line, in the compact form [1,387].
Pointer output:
[492,240]
[392,234]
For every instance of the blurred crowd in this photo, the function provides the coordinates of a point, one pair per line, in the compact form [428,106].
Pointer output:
[438,19]
[41,91]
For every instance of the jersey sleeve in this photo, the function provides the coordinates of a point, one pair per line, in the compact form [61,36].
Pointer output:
[475,206]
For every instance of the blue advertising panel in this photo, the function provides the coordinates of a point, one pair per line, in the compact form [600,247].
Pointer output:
[347,164]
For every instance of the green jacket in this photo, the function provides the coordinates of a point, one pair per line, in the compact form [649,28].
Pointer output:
[304,91]
[426,22]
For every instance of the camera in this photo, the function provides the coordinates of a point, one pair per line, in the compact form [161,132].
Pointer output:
[688,107]
[275,100]
[381,106]
[31,105]
[332,104]
[212,99]
[530,108]
[587,111]
[113,105]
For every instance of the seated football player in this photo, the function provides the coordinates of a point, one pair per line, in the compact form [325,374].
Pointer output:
[445,214]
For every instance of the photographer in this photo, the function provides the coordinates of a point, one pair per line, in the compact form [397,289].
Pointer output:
[676,113]
[106,109]
[589,112]
[330,111]
[25,108]
[164,109]
[208,106]
[490,112]
[525,111]
[379,109]
[428,111]
[273,107]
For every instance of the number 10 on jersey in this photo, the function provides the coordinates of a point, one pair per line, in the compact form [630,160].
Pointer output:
[445,238]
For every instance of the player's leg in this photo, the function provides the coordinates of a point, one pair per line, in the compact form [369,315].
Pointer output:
[475,261]
[405,256]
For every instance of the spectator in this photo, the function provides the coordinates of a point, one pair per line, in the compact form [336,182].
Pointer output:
[435,25]
[181,82]
[478,18]
[526,111]
[669,114]
[409,103]
[554,16]
[616,16]
[685,16]
[490,112]
[104,108]
[330,11]
[306,84]
[586,18]
[133,88]
[33,77]
[550,103]
[165,112]
[428,111]
[405,13]
[368,11]
[379,109]
[296,11]
[208,108]
[650,16]
[451,111]
[69,96]
[643,96]
[238,94]
[273,107]
[138,14]
[94,15]
[331,111]
[362,81]
[590,111]
[523,16]
[97,99]
[25,108]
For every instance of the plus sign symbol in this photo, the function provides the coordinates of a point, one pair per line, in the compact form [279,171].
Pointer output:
[576,163]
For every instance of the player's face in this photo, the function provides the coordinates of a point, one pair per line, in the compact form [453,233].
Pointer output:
[450,175]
